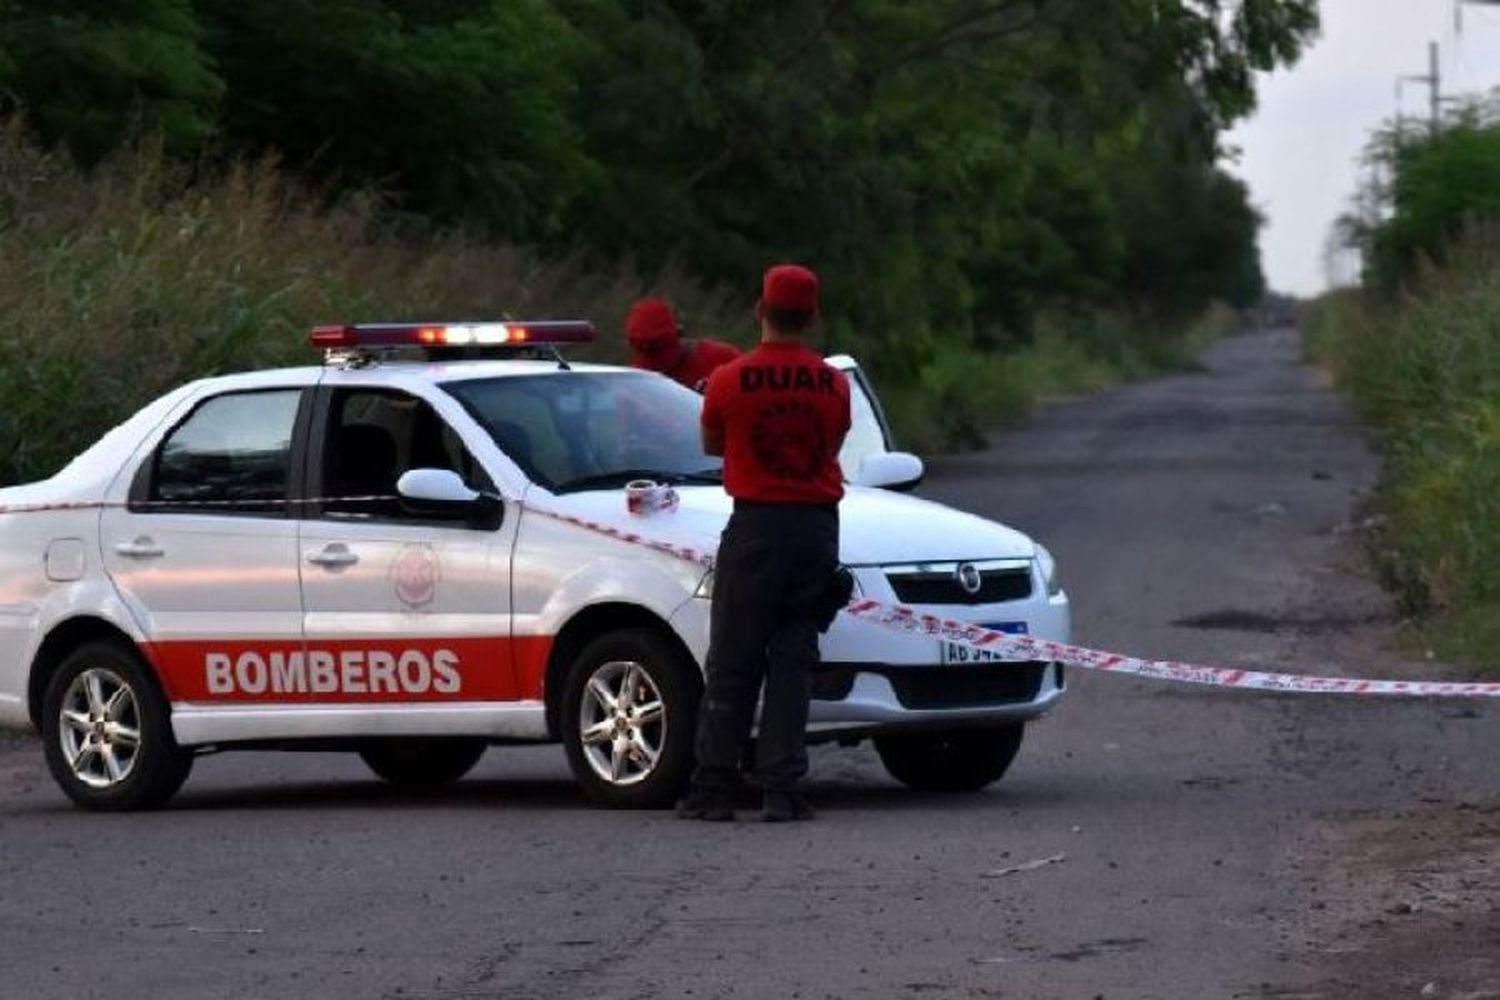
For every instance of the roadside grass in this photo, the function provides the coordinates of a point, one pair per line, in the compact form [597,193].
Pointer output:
[961,395]
[1424,369]
[1469,635]
[124,281]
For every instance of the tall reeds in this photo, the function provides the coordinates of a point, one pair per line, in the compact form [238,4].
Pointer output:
[122,282]
[1424,368]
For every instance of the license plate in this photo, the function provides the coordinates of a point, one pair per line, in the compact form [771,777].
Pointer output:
[954,652]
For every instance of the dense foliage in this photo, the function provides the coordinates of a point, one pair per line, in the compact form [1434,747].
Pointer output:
[1425,187]
[1419,349]
[126,280]
[969,175]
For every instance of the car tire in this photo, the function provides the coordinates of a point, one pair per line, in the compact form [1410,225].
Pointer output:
[107,731]
[634,752]
[960,760]
[416,765]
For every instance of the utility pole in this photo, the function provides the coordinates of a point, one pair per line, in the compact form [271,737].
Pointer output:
[1434,83]
[1435,76]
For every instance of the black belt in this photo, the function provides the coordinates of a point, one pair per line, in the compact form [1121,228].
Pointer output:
[826,508]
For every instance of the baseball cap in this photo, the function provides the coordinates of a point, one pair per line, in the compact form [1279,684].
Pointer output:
[789,286]
[651,319]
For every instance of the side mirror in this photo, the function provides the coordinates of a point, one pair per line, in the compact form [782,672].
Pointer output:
[894,470]
[442,493]
[435,486]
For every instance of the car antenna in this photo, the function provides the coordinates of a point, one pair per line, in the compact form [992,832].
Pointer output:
[550,349]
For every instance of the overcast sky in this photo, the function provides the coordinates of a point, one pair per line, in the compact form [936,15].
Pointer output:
[1300,152]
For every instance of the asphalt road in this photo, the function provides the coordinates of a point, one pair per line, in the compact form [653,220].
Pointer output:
[1197,843]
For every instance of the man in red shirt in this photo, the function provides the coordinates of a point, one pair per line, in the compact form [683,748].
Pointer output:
[778,415]
[656,345]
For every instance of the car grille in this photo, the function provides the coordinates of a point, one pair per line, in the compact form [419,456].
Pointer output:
[941,586]
[938,687]
[958,687]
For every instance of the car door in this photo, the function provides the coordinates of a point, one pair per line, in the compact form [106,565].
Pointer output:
[204,552]
[401,605]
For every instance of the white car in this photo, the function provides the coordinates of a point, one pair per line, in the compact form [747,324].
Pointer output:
[385,554]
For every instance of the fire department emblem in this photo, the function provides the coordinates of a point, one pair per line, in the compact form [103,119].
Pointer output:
[415,575]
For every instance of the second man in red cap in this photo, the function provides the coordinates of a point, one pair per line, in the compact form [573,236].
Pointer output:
[656,344]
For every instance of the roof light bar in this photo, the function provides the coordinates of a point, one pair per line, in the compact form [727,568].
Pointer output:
[518,334]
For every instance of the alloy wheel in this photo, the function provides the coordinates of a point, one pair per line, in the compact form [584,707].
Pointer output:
[622,722]
[100,728]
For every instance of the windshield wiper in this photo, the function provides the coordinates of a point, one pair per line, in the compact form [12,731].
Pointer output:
[620,477]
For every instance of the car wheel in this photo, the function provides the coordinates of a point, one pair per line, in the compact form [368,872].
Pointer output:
[420,764]
[629,711]
[962,760]
[107,731]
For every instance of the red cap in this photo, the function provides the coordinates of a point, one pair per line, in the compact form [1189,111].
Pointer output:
[789,286]
[651,319]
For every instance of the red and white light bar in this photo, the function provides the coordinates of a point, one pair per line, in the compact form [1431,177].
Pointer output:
[517,334]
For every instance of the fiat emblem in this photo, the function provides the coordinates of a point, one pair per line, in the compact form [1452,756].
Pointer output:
[969,578]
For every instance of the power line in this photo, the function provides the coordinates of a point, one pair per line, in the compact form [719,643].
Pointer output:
[1458,11]
[1488,12]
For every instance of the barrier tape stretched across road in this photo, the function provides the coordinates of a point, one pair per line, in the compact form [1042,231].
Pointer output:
[237,505]
[1030,648]
[1024,648]
[908,621]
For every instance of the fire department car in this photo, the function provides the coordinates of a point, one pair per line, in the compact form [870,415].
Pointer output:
[398,553]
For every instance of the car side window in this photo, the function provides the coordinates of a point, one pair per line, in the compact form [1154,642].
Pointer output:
[375,435]
[231,455]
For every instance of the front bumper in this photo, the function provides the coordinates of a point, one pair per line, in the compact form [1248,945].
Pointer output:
[879,696]
[874,679]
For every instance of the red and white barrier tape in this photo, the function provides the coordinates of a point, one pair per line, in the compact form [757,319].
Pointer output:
[898,618]
[1024,648]
[702,557]
[170,505]
[687,552]
[1030,648]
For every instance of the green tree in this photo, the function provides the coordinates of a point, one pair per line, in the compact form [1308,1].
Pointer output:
[1441,183]
[1422,187]
[942,161]
[87,72]
[459,109]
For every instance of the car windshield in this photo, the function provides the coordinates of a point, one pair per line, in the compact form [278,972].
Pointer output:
[592,430]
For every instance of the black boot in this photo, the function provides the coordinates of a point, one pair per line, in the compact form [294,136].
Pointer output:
[711,805]
[784,806]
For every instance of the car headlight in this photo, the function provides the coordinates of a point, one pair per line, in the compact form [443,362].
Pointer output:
[706,587]
[1047,567]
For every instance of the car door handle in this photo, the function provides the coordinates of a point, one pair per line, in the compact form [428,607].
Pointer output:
[142,547]
[333,557]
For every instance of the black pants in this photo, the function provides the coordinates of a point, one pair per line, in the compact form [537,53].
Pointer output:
[773,563]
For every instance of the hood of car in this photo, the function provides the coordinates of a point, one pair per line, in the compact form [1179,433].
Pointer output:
[881,527]
[876,527]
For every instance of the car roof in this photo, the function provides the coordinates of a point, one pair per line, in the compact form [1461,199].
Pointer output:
[433,372]
[404,371]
